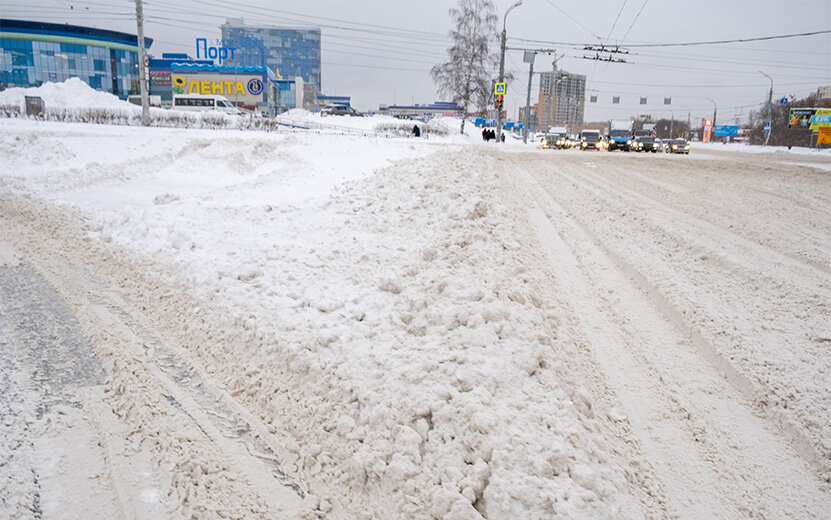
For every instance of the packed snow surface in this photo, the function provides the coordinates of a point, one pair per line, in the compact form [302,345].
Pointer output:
[438,330]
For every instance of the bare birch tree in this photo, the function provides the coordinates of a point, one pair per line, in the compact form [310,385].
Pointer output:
[466,77]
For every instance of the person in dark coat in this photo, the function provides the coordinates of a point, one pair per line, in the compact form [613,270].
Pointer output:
[416,131]
[484,134]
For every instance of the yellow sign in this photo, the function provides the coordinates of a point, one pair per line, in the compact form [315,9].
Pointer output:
[824,135]
[243,89]
[821,119]
[499,89]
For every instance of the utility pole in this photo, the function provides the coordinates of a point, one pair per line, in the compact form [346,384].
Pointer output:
[143,65]
[671,123]
[533,55]
[529,58]
[689,125]
[502,71]
[770,107]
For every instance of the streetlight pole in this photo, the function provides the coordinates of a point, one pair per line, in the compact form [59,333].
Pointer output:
[770,108]
[502,70]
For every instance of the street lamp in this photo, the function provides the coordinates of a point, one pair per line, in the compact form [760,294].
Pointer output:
[502,71]
[770,108]
[715,109]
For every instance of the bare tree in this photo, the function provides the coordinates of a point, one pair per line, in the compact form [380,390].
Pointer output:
[466,77]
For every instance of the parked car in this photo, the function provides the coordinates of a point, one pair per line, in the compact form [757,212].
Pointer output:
[679,146]
[339,110]
[646,144]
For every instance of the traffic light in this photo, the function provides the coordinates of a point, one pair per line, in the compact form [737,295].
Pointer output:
[497,101]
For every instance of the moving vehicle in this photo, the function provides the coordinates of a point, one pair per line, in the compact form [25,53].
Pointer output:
[339,110]
[679,146]
[559,135]
[201,103]
[620,135]
[646,144]
[591,140]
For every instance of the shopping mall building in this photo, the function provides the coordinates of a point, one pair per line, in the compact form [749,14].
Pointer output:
[261,68]
[32,53]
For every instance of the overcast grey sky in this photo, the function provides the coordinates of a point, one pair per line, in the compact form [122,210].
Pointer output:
[381,51]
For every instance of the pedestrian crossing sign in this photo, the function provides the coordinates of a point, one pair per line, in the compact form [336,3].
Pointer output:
[499,89]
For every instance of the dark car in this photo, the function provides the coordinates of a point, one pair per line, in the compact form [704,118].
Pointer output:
[646,144]
[339,110]
[678,146]
[591,140]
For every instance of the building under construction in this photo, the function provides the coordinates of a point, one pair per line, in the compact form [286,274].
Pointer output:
[561,100]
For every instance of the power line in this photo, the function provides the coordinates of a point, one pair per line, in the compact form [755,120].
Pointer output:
[684,44]
[740,40]
[575,20]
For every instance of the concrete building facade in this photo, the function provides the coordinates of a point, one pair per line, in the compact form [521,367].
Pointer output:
[562,99]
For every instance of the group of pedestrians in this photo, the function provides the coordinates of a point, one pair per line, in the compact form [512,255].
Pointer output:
[489,133]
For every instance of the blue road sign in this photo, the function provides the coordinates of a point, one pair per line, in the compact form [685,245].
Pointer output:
[767,128]
[783,101]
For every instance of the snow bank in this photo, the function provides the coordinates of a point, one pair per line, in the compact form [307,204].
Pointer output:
[72,93]
[746,148]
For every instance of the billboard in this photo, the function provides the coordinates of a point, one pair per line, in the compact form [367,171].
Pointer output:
[800,117]
[821,119]
[726,131]
[240,89]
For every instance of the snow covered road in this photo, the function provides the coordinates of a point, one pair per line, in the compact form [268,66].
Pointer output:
[338,327]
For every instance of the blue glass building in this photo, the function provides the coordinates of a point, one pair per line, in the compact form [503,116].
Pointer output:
[291,52]
[32,53]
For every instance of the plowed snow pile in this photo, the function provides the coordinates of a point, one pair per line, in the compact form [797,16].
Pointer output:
[384,326]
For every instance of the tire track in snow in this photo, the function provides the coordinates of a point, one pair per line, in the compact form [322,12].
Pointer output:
[797,425]
[717,459]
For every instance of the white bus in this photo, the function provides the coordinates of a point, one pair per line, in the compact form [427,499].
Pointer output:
[200,103]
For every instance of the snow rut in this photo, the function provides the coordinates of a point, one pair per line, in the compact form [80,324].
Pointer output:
[714,455]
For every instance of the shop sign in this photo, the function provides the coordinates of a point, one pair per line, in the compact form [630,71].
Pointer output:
[217,52]
[246,89]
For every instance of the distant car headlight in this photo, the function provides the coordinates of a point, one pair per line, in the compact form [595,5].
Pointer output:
[598,145]
[675,147]
[583,145]
[628,142]
[687,147]
[544,142]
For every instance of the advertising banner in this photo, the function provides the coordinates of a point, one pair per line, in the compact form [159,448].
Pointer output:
[800,117]
[241,89]
[821,119]
[708,130]
[824,135]
[726,131]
